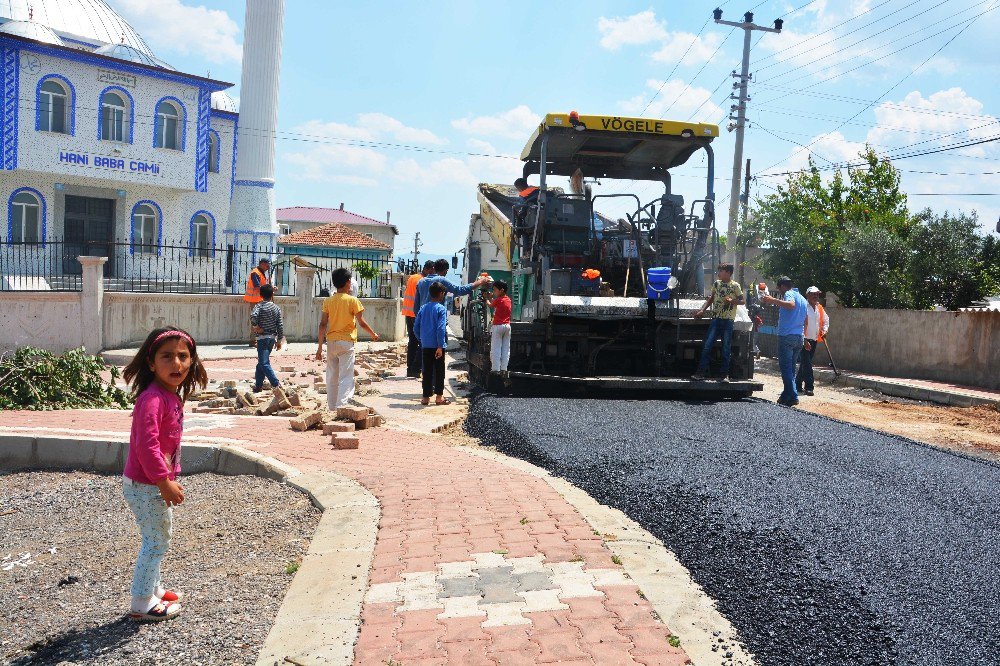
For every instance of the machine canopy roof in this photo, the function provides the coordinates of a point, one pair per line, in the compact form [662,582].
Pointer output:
[614,146]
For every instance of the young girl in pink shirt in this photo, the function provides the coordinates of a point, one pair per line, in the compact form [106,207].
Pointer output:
[163,374]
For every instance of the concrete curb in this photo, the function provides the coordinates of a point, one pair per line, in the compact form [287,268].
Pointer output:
[893,387]
[682,604]
[320,617]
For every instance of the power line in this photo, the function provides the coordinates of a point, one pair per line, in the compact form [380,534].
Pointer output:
[831,28]
[883,57]
[888,105]
[864,39]
[895,85]
[892,157]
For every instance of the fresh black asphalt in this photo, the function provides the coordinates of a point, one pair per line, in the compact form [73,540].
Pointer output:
[823,542]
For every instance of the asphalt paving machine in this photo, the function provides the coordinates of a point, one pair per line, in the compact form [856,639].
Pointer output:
[629,331]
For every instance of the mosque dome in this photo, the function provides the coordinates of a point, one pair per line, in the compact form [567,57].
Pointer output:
[31,30]
[89,20]
[126,52]
[223,102]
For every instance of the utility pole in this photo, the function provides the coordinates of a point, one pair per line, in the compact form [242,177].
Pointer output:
[743,241]
[748,26]
[416,252]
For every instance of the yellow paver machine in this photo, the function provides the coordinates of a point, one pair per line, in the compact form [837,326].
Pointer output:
[628,331]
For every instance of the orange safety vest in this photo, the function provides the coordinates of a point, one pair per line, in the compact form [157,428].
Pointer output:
[822,322]
[527,192]
[410,294]
[253,291]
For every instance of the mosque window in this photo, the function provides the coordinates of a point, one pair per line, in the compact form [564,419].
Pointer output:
[168,125]
[114,117]
[213,152]
[144,229]
[201,236]
[26,218]
[53,107]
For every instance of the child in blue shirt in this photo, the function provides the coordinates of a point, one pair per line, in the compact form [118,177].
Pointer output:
[431,328]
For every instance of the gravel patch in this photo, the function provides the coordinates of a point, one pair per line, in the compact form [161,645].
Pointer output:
[824,543]
[232,539]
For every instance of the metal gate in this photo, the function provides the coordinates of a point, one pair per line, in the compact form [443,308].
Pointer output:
[89,226]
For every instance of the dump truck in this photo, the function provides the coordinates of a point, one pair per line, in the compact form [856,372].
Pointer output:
[630,330]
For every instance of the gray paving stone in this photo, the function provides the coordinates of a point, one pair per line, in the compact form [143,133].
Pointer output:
[459,587]
[500,594]
[536,580]
[496,575]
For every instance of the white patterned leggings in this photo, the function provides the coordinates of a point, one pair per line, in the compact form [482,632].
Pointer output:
[155,521]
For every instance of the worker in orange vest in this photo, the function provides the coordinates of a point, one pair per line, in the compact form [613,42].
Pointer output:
[257,279]
[814,331]
[413,342]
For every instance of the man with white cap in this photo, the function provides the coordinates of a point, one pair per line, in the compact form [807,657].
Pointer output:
[817,324]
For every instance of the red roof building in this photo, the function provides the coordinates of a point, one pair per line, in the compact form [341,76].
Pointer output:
[333,235]
[294,219]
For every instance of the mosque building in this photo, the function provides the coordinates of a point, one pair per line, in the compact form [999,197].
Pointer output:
[105,148]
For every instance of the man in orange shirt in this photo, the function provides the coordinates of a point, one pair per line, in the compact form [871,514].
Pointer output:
[257,279]
[409,316]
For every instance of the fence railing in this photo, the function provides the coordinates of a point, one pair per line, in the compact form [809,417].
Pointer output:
[184,269]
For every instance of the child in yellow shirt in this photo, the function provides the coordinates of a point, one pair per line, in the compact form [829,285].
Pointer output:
[339,327]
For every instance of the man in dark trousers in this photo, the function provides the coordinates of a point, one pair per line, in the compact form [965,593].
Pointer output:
[409,315]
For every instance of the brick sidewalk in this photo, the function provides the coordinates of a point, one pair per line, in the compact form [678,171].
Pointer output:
[475,562]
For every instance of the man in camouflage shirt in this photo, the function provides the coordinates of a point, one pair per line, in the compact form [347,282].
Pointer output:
[726,295]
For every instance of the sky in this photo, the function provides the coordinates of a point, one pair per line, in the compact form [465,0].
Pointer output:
[405,107]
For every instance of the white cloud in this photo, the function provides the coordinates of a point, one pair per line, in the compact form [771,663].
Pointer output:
[676,43]
[517,123]
[948,112]
[641,28]
[172,26]
[333,158]
[833,146]
[379,124]
[675,101]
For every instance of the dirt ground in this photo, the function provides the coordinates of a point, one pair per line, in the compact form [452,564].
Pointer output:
[971,430]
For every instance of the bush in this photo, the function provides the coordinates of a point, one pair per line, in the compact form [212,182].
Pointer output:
[32,378]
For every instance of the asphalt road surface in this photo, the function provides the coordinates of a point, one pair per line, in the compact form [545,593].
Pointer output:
[823,542]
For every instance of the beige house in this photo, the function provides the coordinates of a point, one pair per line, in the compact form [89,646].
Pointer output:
[300,218]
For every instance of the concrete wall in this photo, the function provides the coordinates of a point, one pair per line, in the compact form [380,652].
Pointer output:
[50,320]
[99,320]
[955,347]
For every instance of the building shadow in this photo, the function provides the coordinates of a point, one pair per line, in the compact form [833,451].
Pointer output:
[80,644]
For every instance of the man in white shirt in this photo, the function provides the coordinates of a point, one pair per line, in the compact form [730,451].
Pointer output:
[817,324]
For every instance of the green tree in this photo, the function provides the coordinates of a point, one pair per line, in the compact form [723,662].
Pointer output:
[818,233]
[876,260]
[951,264]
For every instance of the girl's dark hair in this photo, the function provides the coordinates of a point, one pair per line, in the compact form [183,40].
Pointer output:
[140,376]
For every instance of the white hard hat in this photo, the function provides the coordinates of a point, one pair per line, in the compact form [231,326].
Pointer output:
[813,290]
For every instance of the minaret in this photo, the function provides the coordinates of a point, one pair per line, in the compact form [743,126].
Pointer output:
[251,212]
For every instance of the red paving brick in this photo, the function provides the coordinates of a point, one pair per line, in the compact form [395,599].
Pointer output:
[439,504]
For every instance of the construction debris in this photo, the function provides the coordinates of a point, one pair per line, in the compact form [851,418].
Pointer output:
[344,441]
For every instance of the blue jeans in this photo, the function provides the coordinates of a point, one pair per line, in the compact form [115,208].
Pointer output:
[264,369]
[789,348]
[723,327]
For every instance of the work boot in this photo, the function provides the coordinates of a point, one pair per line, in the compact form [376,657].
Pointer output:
[808,392]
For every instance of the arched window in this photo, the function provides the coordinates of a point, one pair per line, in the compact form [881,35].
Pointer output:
[54,102]
[114,116]
[145,225]
[25,218]
[202,235]
[213,152]
[167,132]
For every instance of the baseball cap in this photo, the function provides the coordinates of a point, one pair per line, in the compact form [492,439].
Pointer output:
[813,290]
[784,279]
[264,260]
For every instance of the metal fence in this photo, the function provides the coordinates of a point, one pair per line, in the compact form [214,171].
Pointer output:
[183,269]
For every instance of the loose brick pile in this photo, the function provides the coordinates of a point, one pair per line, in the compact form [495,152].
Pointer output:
[305,406]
